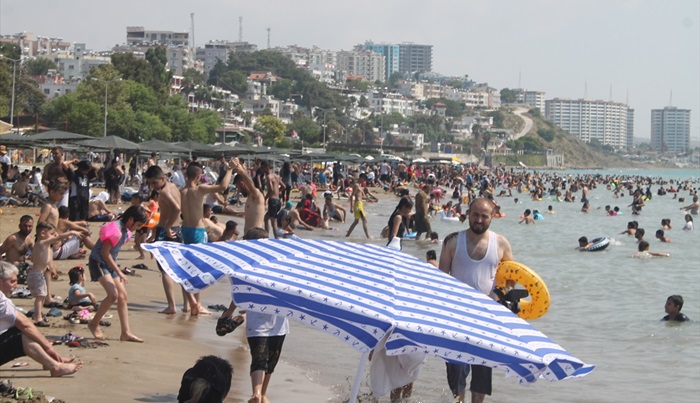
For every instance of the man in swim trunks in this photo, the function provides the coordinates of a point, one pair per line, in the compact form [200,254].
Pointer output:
[357,205]
[274,204]
[168,228]
[16,246]
[472,256]
[193,227]
[694,207]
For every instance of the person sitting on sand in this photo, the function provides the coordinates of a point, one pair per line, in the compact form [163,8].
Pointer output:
[208,381]
[673,307]
[104,268]
[19,336]
[643,251]
[661,237]
[98,211]
[78,296]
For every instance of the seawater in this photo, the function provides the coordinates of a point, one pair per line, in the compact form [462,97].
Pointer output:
[606,306]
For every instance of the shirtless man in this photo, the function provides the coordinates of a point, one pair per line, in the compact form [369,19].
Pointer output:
[254,211]
[98,211]
[168,228]
[193,226]
[357,206]
[274,204]
[693,208]
[58,170]
[21,188]
[16,246]
[213,227]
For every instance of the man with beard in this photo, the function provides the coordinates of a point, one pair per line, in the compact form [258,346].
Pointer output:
[16,246]
[472,256]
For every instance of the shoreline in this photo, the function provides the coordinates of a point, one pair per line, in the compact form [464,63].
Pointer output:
[152,371]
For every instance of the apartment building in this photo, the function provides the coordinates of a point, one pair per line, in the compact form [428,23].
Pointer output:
[534,99]
[605,121]
[670,130]
[364,63]
[390,53]
[32,45]
[414,57]
[390,102]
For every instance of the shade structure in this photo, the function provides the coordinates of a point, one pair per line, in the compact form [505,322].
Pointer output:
[58,135]
[358,292]
[161,146]
[193,146]
[111,143]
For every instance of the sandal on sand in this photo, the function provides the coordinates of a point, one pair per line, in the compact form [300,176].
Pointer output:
[140,266]
[42,324]
[225,326]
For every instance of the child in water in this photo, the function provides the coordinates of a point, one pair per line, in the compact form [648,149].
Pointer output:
[661,237]
[643,251]
[673,307]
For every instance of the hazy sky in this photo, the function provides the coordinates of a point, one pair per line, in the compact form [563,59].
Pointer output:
[642,49]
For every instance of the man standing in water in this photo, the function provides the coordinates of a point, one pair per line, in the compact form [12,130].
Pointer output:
[472,256]
[274,204]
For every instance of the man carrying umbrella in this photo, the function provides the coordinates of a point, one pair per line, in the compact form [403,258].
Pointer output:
[472,257]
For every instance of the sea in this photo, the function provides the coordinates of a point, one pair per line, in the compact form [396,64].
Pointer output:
[605,308]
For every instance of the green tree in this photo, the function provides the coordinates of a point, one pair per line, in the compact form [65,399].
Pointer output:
[234,81]
[363,102]
[282,89]
[508,96]
[272,129]
[39,66]
[307,130]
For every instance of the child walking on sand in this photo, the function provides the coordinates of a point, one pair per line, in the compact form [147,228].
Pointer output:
[42,258]
[104,268]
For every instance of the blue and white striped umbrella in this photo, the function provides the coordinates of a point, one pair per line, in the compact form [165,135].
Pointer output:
[359,292]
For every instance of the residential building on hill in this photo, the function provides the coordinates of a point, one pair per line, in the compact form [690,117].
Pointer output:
[391,56]
[604,121]
[532,98]
[414,57]
[140,36]
[33,45]
[364,63]
[670,130]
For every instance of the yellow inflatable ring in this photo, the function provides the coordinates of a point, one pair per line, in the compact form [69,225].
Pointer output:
[538,304]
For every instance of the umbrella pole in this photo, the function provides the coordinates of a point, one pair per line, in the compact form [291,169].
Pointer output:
[358,377]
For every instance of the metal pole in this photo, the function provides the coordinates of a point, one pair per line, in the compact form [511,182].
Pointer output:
[12,105]
[324,128]
[105,127]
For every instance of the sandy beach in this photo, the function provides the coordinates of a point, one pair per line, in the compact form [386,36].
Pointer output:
[148,372]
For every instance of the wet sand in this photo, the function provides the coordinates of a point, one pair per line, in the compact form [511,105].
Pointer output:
[148,372]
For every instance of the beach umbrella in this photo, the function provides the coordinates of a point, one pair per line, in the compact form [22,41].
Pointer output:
[161,146]
[111,143]
[359,292]
[58,135]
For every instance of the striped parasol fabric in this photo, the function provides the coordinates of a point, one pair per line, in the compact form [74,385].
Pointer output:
[359,292]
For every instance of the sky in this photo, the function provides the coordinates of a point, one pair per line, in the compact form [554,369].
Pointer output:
[632,51]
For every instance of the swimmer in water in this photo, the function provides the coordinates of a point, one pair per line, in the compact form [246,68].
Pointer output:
[643,251]
[526,218]
[673,307]
[661,237]
[583,244]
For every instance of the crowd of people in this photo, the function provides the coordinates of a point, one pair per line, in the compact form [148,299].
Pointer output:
[198,201]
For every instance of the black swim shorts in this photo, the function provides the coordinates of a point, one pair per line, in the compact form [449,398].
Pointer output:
[265,353]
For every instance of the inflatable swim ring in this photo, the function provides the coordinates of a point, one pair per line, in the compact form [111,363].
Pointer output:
[538,304]
[599,244]
[153,221]
[444,217]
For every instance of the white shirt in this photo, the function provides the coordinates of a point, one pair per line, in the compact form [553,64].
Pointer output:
[265,325]
[178,179]
[5,159]
[8,313]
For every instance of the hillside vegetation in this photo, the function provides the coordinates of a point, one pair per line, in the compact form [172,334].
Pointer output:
[546,135]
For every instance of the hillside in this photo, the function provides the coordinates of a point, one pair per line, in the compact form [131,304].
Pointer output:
[546,135]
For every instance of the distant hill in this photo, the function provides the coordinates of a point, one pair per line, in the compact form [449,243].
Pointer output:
[577,154]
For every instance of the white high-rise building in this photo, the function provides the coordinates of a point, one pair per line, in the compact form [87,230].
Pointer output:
[364,63]
[605,121]
[670,129]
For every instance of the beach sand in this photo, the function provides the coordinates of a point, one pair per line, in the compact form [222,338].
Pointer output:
[148,372]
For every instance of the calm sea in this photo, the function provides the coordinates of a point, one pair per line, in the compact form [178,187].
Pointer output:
[606,306]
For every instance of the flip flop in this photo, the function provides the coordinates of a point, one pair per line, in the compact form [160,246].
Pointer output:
[225,326]
[140,266]
[41,324]
[20,364]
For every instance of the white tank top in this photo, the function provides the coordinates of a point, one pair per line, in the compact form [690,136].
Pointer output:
[480,274]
